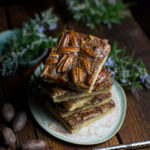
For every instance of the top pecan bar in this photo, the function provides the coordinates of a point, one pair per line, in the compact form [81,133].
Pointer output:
[76,60]
[59,93]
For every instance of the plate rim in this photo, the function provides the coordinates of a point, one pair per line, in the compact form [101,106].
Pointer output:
[51,132]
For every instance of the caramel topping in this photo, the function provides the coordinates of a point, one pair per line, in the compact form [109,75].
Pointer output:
[77,75]
[76,60]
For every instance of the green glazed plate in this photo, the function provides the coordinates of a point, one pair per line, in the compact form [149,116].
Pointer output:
[97,132]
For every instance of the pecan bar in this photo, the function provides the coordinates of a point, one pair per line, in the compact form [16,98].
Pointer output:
[70,107]
[58,93]
[76,61]
[83,118]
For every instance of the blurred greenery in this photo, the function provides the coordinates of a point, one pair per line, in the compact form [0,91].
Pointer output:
[128,71]
[94,12]
[29,42]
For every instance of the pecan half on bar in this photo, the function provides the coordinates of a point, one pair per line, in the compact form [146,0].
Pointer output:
[80,59]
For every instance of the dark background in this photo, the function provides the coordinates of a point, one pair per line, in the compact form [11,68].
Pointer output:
[140,10]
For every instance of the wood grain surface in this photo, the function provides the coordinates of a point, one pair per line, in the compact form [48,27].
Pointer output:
[136,126]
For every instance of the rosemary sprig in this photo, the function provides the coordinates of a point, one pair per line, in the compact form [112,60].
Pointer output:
[131,73]
[29,42]
[94,12]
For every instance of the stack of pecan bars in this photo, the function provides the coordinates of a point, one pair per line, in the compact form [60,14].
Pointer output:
[75,79]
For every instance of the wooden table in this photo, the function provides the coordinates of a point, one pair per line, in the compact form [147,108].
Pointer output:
[136,126]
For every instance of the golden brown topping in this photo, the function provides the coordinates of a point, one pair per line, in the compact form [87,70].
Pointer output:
[53,50]
[87,65]
[51,60]
[67,63]
[107,83]
[90,79]
[64,77]
[89,113]
[85,53]
[83,85]
[102,96]
[44,70]
[60,63]
[92,52]
[54,55]
[69,49]
[103,75]
[58,91]
[95,39]
[82,42]
[89,51]
[98,51]
[66,41]
[73,38]
[52,73]
[61,60]
[77,75]
[60,40]
[91,37]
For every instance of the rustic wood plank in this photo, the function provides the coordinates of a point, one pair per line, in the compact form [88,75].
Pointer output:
[113,141]
[2,98]
[136,126]
[3,20]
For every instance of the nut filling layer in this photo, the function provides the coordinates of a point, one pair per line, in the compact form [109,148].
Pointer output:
[76,60]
